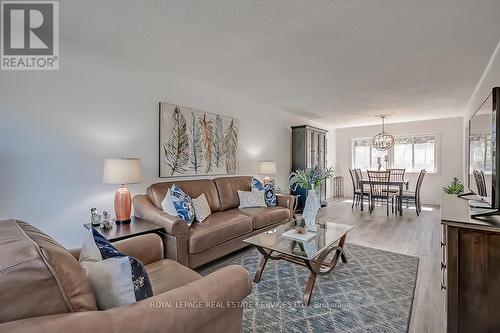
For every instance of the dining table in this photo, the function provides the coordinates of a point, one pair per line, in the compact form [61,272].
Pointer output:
[401,184]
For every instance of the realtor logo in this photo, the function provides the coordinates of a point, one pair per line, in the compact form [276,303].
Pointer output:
[29,35]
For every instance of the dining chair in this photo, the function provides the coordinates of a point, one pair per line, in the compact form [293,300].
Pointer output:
[379,188]
[359,177]
[356,189]
[415,195]
[397,175]
[480,183]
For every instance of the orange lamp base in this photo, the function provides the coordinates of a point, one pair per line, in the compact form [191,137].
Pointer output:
[267,180]
[123,205]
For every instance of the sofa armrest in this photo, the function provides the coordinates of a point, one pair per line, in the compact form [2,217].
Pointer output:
[76,322]
[210,304]
[145,209]
[146,248]
[287,201]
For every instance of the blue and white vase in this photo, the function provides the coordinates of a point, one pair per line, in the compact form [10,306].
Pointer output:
[311,208]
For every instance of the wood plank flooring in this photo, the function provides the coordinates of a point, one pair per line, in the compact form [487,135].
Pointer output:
[407,234]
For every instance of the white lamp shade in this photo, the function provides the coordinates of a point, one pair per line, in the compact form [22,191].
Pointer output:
[122,171]
[267,168]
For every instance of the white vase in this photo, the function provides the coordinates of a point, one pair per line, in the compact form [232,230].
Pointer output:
[311,208]
[454,208]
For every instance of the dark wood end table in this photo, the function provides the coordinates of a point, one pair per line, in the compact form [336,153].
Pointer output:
[136,227]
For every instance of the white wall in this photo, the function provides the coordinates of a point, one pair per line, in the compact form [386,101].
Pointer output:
[331,154]
[57,128]
[450,131]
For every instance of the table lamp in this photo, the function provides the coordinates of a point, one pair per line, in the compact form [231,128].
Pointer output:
[267,168]
[122,171]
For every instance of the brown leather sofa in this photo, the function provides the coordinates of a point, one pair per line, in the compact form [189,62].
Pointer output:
[223,231]
[44,289]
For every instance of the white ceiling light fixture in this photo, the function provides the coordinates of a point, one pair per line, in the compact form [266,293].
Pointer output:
[383,141]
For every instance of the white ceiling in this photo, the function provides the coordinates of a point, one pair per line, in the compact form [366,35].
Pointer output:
[337,62]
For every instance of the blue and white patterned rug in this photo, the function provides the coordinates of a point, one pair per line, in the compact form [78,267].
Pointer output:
[373,292]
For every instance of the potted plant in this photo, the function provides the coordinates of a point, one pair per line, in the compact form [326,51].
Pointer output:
[452,207]
[309,180]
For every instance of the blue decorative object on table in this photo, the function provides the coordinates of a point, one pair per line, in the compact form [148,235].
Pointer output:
[183,204]
[269,191]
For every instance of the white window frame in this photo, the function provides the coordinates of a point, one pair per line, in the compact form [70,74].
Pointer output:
[390,153]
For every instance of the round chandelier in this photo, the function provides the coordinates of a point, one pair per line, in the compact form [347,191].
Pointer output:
[383,141]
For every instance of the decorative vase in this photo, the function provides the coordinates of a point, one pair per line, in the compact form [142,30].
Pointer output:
[454,208]
[311,208]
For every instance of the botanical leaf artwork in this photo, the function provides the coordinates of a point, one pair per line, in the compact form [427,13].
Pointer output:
[196,143]
[177,147]
[196,148]
[231,146]
[207,137]
[218,142]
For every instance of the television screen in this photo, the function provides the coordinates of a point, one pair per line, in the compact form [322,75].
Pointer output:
[482,127]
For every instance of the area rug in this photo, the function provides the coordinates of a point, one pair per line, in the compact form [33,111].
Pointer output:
[373,292]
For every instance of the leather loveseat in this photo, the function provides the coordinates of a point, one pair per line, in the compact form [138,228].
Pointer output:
[223,231]
[44,289]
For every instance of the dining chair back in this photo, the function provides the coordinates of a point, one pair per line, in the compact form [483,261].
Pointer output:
[379,188]
[379,182]
[480,183]
[359,176]
[397,175]
[355,190]
[353,179]
[418,187]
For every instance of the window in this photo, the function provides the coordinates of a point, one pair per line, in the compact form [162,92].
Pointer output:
[412,153]
[362,154]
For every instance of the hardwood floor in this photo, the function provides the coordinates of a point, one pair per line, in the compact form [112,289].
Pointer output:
[408,234]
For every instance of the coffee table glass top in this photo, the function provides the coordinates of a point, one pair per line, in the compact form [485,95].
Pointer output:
[328,234]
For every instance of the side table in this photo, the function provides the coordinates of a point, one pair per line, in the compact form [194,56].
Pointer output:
[136,227]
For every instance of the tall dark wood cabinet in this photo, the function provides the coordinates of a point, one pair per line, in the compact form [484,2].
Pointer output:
[308,149]
[471,275]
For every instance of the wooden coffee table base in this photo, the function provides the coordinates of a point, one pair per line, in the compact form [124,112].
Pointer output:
[316,266]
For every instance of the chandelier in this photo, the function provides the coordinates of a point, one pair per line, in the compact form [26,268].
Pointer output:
[383,141]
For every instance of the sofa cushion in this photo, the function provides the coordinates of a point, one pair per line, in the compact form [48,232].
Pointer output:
[228,187]
[167,274]
[201,208]
[156,192]
[116,278]
[216,229]
[262,217]
[269,190]
[182,203]
[252,199]
[38,276]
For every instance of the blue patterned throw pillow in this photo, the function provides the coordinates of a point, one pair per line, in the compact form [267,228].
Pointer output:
[116,278]
[182,204]
[269,191]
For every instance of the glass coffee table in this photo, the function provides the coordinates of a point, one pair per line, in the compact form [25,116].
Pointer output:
[313,254]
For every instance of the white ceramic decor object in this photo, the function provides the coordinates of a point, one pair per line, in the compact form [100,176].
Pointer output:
[454,208]
[311,208]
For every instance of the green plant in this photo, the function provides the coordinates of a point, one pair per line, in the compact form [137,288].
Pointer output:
[310,178]
[456,187]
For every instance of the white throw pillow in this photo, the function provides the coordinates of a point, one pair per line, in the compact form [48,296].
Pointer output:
[201,208]
[252,199]
[167,205]
[116,278]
